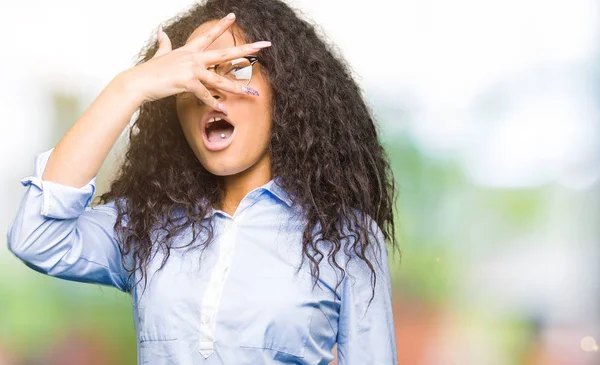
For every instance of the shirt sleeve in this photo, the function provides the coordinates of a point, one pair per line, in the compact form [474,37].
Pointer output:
[57,234]
[366,333]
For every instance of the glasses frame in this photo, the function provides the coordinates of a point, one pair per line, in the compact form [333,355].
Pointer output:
[253,59]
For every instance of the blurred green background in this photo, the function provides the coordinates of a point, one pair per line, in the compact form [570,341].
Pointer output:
[489,112]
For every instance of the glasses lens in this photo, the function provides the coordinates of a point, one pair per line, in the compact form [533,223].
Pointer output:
[238,70]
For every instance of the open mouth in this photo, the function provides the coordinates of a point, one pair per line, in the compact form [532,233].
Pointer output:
[218,133]
[218,129]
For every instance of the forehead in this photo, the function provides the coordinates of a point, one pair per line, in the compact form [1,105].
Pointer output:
[226,39]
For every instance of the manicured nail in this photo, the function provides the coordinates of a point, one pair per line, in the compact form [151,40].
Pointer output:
[250,91]
[159,32]
[261,44]
[222,108]
[231,16]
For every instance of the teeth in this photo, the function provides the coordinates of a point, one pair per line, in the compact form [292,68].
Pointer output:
[212,120]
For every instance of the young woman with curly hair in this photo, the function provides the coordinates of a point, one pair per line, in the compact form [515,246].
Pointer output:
[250,215]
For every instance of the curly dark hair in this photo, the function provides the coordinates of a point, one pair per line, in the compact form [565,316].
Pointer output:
[320,123]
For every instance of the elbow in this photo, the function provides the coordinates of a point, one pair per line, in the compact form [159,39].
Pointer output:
[12,241]
[27,256]
[17,246]
[41,247]
[27,248]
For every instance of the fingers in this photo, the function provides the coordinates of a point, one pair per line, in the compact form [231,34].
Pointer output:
[204,40]
[213,57]
[203,94]
[219,82]
[164,43]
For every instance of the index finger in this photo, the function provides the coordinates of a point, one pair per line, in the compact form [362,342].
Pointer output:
[205,39]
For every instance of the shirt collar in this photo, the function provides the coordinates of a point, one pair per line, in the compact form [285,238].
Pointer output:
[273,186]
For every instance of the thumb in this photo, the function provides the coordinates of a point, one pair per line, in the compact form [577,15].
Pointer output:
[164,43]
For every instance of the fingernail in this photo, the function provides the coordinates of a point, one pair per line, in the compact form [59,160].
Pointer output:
[231,16]
[159,32]
[222,108]
[261,44]
[250,91]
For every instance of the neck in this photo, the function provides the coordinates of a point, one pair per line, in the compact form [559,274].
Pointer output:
[237,186]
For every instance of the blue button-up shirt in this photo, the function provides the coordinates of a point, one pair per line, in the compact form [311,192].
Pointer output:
[239,302]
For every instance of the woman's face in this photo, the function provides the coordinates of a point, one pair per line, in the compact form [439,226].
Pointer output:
[250,115]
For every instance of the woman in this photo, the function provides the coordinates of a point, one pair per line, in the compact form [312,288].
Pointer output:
[250,216]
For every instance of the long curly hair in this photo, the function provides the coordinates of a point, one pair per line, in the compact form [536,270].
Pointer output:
[320,123]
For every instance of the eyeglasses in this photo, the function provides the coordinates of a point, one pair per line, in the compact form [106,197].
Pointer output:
[238,70]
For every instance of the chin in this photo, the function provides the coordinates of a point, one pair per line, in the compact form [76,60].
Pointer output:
[232,160]
[222,166]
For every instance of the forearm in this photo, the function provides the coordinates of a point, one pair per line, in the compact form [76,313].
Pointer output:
[78,156]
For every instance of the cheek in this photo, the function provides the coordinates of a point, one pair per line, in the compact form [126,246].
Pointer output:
[186,121]
[186,126]
[255,131]
[258,114]
[191,132]
[253,137]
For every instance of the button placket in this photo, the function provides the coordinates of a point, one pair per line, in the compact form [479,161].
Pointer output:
[214,290]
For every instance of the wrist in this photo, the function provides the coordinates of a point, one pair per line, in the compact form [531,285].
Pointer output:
[129,87]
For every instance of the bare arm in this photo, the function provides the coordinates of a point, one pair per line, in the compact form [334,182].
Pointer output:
[79,155]
[55,232]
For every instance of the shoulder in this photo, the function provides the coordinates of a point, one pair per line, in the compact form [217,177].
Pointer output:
[362,231]
[359,243]
[365,247]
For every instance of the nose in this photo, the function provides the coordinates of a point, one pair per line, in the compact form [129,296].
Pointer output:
[217,94]
[214,93]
